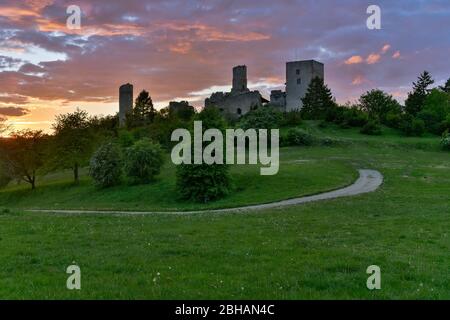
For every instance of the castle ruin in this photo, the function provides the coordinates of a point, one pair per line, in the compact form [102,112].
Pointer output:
[241,100]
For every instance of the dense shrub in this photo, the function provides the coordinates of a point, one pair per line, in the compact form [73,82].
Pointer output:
[203,183]
[299,137]
[371,128]
[347,116]
[125,138]
[412,126]
[106,166]
[292,118]
[431,120]
[393,119]
[161,130]
[262,118]
[211,118]
[356,118]
[445,142]
[143,161]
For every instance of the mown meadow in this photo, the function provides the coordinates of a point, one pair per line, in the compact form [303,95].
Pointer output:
[313,251]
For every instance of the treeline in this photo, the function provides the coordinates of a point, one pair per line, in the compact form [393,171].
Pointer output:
[136,153]
[80,140]
[425,110]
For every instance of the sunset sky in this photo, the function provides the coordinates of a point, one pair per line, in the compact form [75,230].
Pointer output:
[185,49]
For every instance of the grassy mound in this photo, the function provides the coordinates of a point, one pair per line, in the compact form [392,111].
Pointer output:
[298,176]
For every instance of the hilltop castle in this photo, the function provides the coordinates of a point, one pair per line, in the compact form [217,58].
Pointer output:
[241,100]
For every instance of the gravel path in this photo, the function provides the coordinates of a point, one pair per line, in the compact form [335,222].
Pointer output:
[368,181]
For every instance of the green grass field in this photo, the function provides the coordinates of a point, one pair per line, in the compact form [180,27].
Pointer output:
[318,250]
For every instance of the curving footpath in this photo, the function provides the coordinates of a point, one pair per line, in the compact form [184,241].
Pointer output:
[368,181]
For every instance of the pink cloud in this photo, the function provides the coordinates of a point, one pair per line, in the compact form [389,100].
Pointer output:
[396,55]
[354,60]
[385,48]
[373,58]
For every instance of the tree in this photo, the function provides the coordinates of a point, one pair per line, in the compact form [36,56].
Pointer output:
[262,118]
[414,102]
[378,104]
[143,161]
[446,87]
[435,110]
[203,182]
[318,101]
[23,155]
[105,166]
[73,141]
[143,111]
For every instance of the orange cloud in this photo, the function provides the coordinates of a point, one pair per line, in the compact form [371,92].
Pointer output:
[181,47]
[396,55]
[354,60]
[373,58]
[16,14]
[45,25]
[385,48]
[204,32]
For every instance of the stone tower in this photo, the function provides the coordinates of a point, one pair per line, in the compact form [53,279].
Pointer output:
[125,102]
[298,77]
[239,79]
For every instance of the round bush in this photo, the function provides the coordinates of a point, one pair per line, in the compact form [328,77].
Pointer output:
[143,161]
[106,166]
[262,118]
[299,137]
[393,119]
[371,128]
[203,183]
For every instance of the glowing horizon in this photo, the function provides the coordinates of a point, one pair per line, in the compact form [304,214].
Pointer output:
[186,51]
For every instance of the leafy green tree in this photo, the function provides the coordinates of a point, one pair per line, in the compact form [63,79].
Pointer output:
[73,141]
[143,112]
[435,111]
[415,101]
[371,128]
[23,155]
[262,118]
[203,182]
[106,166]
[412,126]
[378,104]
[318,101]
[143,161]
